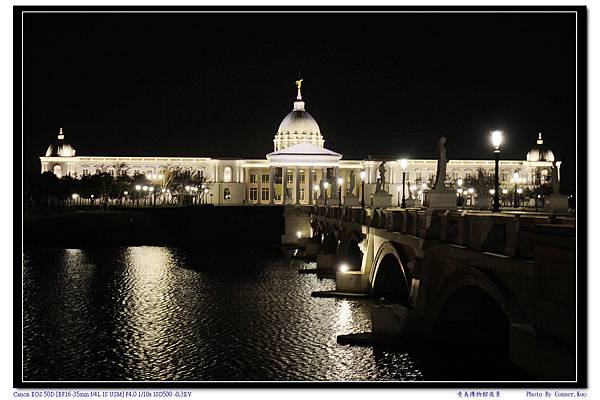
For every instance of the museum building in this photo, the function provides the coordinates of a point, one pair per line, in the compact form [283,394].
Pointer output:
[301,170]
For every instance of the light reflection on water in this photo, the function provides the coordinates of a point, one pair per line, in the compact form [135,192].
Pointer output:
[160,313]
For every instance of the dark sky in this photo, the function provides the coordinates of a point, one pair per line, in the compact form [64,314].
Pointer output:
[218,85]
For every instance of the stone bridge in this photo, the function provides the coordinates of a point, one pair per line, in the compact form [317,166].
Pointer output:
[505,279]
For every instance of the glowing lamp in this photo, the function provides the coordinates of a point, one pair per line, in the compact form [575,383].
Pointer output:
[363,175]
[340,181]
[496,139]
[344,267]
[403,164]
[138,187]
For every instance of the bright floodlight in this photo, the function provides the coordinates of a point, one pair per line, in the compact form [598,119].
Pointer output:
[325,185]
[205,190]
[126,193]
[459,182]
[492,191]
[363,175]
[138,187]
[424,186]
[497,139]
[516,176]
[74,195]
[340,181]
[404,164]
[471,190]
[504,191]
[151,188]
[144,188]
[187,188]
[299,234]
[344,267]
[519,190]
[316,187]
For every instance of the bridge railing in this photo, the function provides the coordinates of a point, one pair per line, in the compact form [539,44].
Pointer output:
[509,233]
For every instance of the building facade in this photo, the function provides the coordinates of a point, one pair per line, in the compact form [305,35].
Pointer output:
[301,170]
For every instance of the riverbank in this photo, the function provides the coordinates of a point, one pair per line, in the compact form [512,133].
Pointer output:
[154,226]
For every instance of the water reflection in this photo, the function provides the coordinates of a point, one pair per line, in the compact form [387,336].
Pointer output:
[159,313]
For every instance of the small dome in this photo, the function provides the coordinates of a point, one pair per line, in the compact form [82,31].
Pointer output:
[60,148]
[298,127]
[539,152]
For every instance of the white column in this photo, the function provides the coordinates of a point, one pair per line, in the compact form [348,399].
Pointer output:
[297,182]
[310,186]
[283,184]
[271,185]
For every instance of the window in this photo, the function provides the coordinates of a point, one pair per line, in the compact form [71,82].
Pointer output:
[265,178]
[431,176]
[467,175]
[314,176]
[290,177]
[301,193]
[111,172]
[98,171]
[85,172]
[254,194]
[418,176]
[264,193]
[504,176]
[136,172]
[226,194]
[301,177]
[252,178]
[227,174]
[454,175]
[57,170]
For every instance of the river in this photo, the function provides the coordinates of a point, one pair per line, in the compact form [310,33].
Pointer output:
[175,314]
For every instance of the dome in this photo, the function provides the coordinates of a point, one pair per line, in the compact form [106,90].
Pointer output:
[298,127]
[539,152]
[60,148]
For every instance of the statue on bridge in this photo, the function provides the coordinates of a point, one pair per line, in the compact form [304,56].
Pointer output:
[440,175]
[380,186]
[555,182]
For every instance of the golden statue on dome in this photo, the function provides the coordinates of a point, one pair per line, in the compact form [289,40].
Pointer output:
[299,83]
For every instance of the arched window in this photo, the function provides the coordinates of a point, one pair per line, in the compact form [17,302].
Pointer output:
[227,174]
[57,170]
[226,194]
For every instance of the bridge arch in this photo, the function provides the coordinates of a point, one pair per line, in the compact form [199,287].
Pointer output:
[389,276]
[349,249]
[472,310]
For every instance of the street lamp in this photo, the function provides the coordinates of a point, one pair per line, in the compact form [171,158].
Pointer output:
[363,175]
[516,180]
[340,182]
[496,142]
[403,164]
[325,186]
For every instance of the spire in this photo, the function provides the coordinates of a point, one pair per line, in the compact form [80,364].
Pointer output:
[540,141]
[299,104]
[61,136]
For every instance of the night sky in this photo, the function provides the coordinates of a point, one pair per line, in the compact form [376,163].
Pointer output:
[379,85]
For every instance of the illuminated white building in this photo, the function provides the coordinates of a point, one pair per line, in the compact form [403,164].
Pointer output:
[298,167]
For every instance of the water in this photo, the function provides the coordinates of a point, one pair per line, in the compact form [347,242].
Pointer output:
[163,313]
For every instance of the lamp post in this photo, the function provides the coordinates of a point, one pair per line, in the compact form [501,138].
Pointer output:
[325,186]
[516,179]
[340,182]
[403,164]
[363,175]
[496,142]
